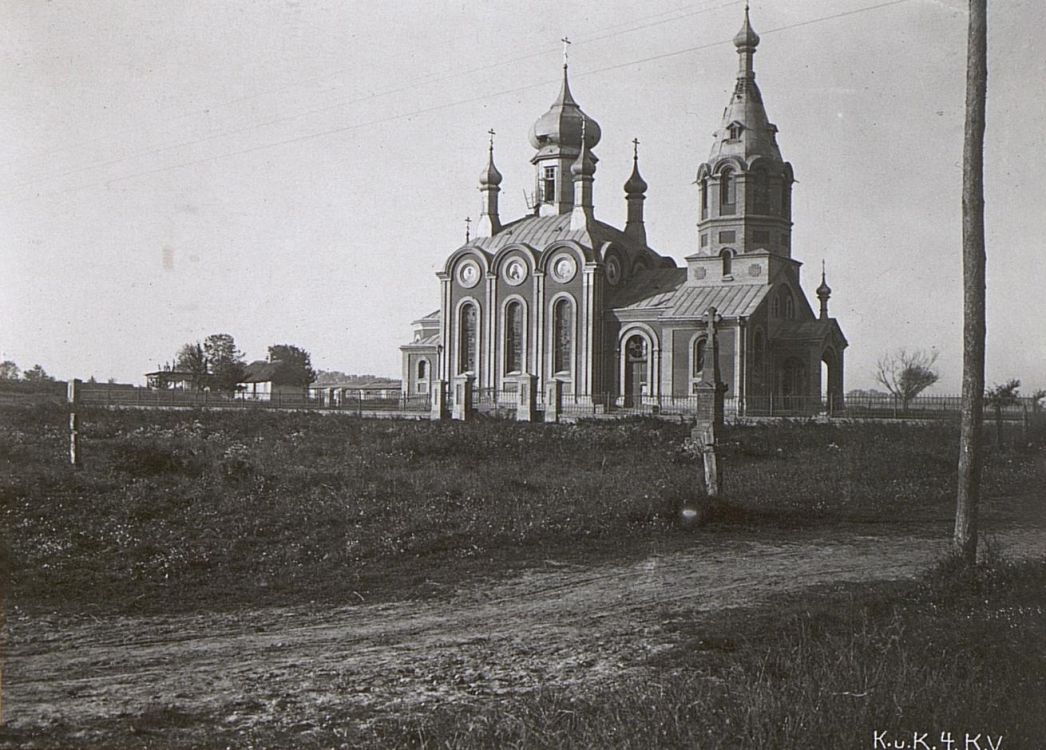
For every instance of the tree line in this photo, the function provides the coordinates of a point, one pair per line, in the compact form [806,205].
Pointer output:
[216,364]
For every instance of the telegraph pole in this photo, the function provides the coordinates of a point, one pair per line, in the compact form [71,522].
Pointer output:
[973,266]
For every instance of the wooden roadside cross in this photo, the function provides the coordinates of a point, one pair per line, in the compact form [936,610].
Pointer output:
[710,408]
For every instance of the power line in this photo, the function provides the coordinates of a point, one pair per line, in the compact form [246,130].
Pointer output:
[334,105]
[423,80]
[470,100]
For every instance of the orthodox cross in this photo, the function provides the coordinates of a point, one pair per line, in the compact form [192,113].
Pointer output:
[566,42]
[635,149]
[492,134]
[468,228]
[712,318]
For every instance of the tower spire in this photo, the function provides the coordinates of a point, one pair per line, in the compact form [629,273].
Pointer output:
[582,171]
[489,185]
[746,41]
[635,189]
[823,293]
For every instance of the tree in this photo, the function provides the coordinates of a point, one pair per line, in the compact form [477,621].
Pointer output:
[297,360]
[967,497]
[1036,400]
[36,374]
[191,359]
[998,398]
[9,370]
[224,362]
[907,374]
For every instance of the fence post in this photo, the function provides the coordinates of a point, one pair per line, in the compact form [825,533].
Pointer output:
[73,396]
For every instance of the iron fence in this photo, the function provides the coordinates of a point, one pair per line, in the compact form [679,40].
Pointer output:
[503,402]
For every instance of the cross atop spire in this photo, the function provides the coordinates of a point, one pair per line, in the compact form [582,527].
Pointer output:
[635,149]
[468,228]
[566,43]
[492,134]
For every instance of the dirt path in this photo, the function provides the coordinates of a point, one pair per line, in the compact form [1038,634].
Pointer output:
[556,624]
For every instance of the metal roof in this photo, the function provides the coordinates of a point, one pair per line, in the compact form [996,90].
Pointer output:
[664,291]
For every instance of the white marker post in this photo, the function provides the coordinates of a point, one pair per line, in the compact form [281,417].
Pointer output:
[73,397]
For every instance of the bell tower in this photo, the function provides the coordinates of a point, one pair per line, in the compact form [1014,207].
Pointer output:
[745,186]
[557,135]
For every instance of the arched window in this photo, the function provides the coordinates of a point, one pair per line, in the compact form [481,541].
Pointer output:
[423,369]
[467,339]
[514,337]
[728,261]
[699,358]
[785,193]
[704,199]
[562,335]
[789,307]
[727,191]
[761,197]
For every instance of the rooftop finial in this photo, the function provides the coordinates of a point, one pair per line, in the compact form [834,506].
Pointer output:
[566,44]
[635,184]
[492,134]
[468,228]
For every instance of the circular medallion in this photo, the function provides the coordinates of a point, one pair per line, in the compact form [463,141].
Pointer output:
[468,274]
[613,270]
[515,272]
[563,268]
[755,269]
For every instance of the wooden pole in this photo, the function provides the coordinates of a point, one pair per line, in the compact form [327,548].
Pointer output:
[973,266]
[73,397]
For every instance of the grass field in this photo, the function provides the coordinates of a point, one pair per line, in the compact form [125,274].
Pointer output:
[199,509]
[182,511]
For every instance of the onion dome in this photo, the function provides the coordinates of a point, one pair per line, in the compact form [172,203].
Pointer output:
[823,291]
[561,127]
[746,37]
[585,164]
[490,177]
[635,183]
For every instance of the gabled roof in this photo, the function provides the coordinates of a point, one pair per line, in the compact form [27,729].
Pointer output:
[686,301]
[261,371]
[807,330]
[649,289]
[541,231]
[424,343]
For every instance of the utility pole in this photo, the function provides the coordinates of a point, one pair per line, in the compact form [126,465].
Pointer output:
[973,266]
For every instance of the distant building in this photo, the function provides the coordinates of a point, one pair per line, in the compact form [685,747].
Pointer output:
[355,389]
[264,381]
[421,355]
[564,296]
[170,380]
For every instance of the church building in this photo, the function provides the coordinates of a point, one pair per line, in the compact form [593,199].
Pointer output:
[564,297]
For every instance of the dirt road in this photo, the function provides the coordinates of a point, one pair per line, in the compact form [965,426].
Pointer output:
[555,624]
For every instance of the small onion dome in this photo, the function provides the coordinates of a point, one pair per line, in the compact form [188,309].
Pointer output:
[746,37]
[490,177]
[824,290]
[563,123]
[583,165]
[635,183]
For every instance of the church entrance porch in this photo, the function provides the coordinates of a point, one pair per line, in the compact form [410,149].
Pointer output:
[636,366]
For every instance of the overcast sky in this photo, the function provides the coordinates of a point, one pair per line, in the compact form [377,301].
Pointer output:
[296,172]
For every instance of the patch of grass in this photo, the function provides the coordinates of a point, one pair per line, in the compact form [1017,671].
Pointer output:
[177,509]
[959,651]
